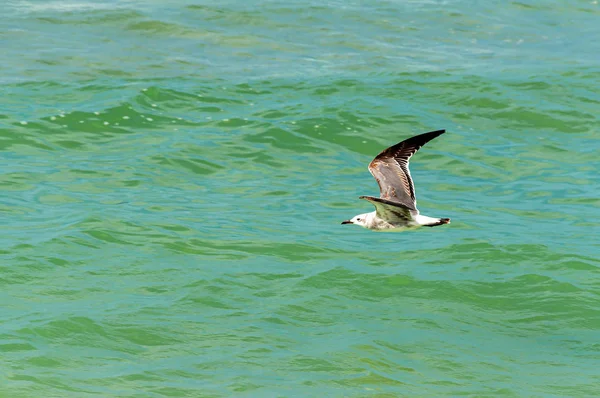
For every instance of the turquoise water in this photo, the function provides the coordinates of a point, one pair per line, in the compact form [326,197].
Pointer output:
[175,174]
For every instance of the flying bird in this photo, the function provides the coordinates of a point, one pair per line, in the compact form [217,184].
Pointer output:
[396,206]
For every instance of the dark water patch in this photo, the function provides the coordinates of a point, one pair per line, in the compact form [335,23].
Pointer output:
[273,114]
[166,29]
[18,140]
[149,336]
[226,15]
[482,102]
[209,109]
[89,16]
[593,201]
[248,89]
[18,182]
[41,86]
[208,301]
[529,118]
[74,329]
[283,139]
[191,248]
[109,236]
[85,332]
[116,73]
[527,6]
[196,166]
[557,301]
[304,315]
[312,364]
[180,229]
[158,98]
[372,379]
[531,85]
[112,17]
[256,157]
[220,100]
[294,252]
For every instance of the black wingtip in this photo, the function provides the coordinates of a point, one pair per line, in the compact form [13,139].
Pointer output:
[422,139]
[433,133]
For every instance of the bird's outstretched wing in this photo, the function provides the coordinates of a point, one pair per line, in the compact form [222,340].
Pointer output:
[392,212]
[390,169]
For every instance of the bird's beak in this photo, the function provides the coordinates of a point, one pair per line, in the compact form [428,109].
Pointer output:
[347,222]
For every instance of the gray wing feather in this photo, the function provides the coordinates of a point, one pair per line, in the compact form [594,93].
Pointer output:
[390,169]
[392,212]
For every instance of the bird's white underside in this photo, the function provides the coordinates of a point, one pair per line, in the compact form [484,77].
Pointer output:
[371,221]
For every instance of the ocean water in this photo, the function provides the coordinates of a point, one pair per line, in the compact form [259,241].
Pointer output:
[174,175]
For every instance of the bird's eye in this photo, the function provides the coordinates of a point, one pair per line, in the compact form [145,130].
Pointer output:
[358,219]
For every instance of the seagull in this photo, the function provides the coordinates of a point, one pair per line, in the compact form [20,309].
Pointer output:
[396,207]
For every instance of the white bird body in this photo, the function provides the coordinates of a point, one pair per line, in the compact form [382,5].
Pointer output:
[371,221]
[396,208]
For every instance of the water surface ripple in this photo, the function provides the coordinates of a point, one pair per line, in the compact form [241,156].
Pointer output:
[175,175]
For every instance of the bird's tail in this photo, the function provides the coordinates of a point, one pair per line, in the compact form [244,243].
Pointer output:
[440,221]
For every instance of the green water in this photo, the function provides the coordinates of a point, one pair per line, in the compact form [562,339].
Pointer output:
[174,175]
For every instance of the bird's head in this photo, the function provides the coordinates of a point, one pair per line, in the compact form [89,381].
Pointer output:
[360,219]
